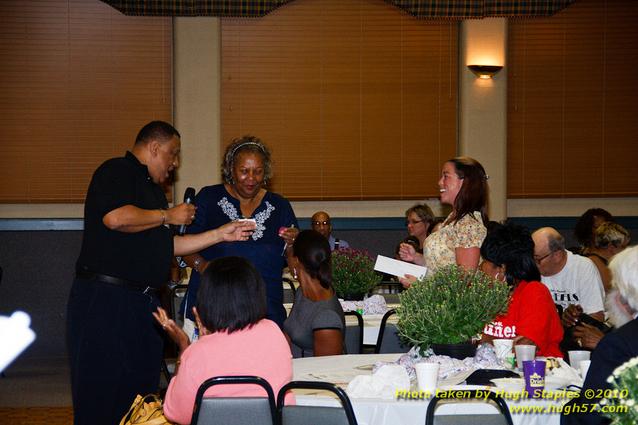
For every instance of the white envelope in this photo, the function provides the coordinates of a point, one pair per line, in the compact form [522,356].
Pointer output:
[398,268]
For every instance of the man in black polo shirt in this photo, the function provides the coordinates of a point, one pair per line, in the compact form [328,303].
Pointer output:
[115,347]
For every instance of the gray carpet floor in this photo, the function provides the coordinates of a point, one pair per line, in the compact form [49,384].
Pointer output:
[36,382]
[42,382]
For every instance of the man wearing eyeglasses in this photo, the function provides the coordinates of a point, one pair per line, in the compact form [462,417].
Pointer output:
[321,223]
[573,280]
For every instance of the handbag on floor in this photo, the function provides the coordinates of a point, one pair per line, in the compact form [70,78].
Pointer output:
[145,410]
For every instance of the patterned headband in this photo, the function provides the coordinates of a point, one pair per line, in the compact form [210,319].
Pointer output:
[241,145]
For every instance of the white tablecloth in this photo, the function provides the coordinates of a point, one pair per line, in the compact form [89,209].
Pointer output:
[341,369]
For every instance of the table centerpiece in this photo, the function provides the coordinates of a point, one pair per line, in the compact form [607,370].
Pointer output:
[353,274]
[447,309]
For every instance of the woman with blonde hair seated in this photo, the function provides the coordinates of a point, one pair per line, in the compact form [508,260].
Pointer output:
[418,220]
[235,338]
[609,239]
[616,347]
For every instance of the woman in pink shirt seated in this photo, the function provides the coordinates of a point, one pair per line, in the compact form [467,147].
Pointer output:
[531,318]
[235,338]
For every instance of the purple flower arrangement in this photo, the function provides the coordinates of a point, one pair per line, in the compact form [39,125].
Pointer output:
[353,274]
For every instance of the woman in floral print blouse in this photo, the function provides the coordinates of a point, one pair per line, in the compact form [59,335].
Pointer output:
[463,185]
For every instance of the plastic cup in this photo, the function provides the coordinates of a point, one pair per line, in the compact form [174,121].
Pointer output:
[583,366]
[534,373]
[524,353]
[503,347]
[576,356]
[427,375]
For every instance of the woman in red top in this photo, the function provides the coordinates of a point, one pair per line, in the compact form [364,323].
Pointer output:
[531,318]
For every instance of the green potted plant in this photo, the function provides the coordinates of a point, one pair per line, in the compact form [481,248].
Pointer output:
[353,273]
[445,310]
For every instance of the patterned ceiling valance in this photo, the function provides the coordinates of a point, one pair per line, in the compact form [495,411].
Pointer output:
[453,9]
[476,9]
[221,8]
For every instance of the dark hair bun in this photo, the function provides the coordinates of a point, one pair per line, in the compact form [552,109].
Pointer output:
[312,249]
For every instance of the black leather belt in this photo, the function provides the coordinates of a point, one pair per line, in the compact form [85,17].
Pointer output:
[115,281]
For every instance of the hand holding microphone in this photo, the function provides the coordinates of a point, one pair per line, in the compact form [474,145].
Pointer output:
[189,195]
[186,212]
[183,214]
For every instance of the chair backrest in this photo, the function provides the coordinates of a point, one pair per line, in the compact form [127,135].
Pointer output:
[353,337]
[388,340]
[177,294]
[235,410]
[315,415]
[504,418]
[289,291]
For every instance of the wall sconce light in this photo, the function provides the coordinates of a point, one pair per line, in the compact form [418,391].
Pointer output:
[485,72]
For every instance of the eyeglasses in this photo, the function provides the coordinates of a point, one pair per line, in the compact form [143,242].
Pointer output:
[413,222]
[539,260]
[321,223]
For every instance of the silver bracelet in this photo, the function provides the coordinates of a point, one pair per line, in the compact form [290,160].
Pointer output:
[196,264]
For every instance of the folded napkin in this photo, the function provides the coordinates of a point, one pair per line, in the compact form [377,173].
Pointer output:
[566,373]
[383,383]
[373,305]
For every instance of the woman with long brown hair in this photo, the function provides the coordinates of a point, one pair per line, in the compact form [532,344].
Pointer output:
[463,185]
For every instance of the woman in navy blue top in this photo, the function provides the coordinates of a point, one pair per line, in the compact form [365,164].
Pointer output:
[245,171]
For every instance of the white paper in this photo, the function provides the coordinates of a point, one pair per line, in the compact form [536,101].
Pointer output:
[398,268]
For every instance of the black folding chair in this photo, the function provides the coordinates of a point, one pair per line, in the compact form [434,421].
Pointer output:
[289,291]
[502,418]
[315,415]
[388,340]
[235,410]
[353,337]
[177,294]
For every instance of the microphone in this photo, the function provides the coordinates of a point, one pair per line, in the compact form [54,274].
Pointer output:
[189,195]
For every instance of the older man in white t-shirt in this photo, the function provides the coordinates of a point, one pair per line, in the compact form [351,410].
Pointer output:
[573,280]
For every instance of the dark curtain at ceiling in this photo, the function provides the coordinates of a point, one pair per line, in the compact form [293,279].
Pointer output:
[451,9]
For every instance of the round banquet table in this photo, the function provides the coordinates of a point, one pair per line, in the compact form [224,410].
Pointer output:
[340,370]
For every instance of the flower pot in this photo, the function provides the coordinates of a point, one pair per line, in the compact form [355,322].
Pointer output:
[456,351]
